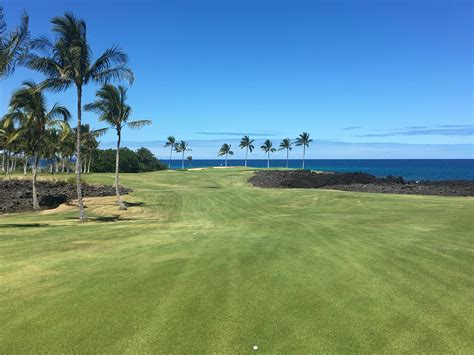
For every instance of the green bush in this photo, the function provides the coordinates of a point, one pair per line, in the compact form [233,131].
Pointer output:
[142,160]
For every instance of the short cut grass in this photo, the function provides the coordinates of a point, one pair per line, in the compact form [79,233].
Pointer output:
[203,262]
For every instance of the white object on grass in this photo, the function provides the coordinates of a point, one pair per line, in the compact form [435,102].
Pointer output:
[255,347]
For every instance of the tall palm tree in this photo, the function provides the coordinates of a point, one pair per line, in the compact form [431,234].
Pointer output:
[182,147]
[246,143]
[29,108]
[13,47]
[267,147]
[286,144]
[112,109]
[304,140]
[225,150]
[67,62]
[170,142]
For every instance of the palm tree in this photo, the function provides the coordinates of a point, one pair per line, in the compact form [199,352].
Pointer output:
[246,143]
[29,108]
[67,62]
[182,147]
[225,150]
[112,108]
[304,140]
[267,147]
[13,47]
[286,143]
[170,142]
[90,144]
[9,135]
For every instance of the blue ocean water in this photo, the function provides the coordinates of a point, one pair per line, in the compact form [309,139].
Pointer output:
[410,169]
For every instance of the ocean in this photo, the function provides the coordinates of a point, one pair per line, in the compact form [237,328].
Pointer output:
[409,169]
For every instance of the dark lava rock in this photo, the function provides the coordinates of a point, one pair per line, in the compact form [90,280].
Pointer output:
[16,194]
[359,181]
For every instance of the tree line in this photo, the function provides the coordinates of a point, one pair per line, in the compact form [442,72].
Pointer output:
[32,128]
[246,143]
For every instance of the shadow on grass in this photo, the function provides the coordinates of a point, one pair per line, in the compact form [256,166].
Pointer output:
[24,225]
[133,204]
[113,218]
[107,219]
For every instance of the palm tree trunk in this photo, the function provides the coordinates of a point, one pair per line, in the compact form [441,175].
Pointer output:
[246,155]
[287,154]
[35,194]
[268,160]
[63,163]
[226,160]
[25,165]
[3,160]
[304,152]
[7,170]
[182,161]
[82,213]
[89,165]
[117,164]
[171,152]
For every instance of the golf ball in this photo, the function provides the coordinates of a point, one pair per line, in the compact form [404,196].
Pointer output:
[255,347]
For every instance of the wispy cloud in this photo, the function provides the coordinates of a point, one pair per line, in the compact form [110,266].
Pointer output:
[461,131]
[351,128]
[265,134]
[456,126]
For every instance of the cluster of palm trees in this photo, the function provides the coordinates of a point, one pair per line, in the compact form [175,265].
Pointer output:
[31,128]
[246,143]
[178,147]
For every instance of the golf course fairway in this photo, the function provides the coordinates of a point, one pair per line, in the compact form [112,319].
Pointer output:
[204,262]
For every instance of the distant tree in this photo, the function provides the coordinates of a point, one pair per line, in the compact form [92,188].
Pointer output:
[286,144]
[68,62]
[267,147]
[130,162]
[303,140]
[225,150]
[182,147]
[246,143]
[28,107]
[148,161]
[190,159]
[112,109]
[170,142]
[13,45]
[9,136]
[89,144]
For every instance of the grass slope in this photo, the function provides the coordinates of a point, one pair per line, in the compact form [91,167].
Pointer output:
[211,264]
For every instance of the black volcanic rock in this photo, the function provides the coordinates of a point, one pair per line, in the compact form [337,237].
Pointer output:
[16,194]
[358,181]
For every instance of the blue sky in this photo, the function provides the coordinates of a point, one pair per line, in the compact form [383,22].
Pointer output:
[367,79]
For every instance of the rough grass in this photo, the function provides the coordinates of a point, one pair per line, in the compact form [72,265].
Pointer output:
[206,263]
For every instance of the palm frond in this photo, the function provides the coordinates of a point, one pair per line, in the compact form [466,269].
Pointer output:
[117,74]
[138,124]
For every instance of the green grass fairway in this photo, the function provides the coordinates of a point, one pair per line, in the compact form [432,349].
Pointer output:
[210,264]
